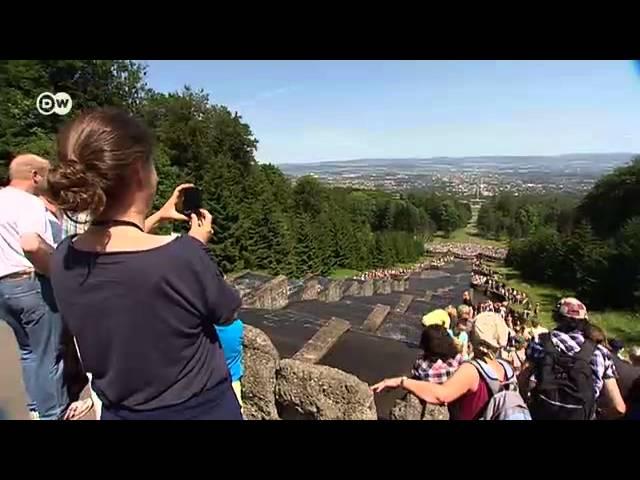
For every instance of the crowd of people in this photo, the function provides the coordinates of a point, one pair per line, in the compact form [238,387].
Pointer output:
[478,267]
[383,274]
[491,282]
[483,364]
[393,273]
[149,320]
[468,250]
[440,261]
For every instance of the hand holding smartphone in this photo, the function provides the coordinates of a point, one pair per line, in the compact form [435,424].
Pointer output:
[190,202]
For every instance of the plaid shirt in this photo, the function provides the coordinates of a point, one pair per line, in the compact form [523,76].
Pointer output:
[435,372]
[570,343]
[70,227]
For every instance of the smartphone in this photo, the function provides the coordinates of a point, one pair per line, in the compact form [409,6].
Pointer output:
[190,201]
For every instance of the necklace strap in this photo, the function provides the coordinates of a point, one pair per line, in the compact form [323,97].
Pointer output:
[116,223]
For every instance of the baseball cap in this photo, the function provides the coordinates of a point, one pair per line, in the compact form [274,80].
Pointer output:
[491,328]
[437,317]
[572,308]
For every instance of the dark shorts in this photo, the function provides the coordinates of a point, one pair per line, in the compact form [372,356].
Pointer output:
[217,403]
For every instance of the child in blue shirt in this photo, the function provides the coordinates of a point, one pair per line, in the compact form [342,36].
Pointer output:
[231,340]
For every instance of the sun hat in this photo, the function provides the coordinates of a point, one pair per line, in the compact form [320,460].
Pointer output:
[490,328]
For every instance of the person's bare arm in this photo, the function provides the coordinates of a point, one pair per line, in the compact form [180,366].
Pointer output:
[152,222]
[465,378]
[613,398]
[37,251]
[167,211]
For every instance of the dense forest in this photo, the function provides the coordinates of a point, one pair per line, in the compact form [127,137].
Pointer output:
[509,216]
[263,220]
[590,246]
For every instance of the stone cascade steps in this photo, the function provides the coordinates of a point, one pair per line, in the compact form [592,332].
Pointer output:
[403,304]
[322,341]
[376,317]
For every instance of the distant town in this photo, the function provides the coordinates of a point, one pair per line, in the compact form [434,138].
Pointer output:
[468,176]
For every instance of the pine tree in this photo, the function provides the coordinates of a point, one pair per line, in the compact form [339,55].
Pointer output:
[304,250]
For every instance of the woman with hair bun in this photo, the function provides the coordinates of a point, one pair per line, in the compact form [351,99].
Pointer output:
[142,307]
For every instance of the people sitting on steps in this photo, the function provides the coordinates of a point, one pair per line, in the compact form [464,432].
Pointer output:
[468,250]
[391,273]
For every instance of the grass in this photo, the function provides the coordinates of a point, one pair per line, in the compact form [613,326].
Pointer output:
[238,273]
[342,274]
[464,235]
[618,324]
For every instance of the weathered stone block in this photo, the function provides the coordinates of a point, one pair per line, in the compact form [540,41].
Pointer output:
[411,408]
[382,287]
[367,289]
[322,341]
[315,392]
[273,295]
[261,361]
[311,289]
[352,289]
[376,317]
[403,303]
[333,292]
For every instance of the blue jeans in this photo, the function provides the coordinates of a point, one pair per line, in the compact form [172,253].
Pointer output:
[28,306]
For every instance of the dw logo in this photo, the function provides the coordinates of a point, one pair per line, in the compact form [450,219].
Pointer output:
[48,103]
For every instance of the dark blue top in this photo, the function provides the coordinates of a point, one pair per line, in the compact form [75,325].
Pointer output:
[231,340]
[144,321]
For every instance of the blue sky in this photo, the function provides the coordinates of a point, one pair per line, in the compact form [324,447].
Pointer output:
[304,111]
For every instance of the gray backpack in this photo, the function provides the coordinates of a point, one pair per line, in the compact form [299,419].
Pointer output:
[505,402]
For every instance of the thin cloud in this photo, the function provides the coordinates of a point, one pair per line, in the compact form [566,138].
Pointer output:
[265,95]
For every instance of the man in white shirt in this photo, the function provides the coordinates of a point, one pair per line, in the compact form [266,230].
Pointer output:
[26,297]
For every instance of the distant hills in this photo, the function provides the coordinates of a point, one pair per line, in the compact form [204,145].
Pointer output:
[588,164]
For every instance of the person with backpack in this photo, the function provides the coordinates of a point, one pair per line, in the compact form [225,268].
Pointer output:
[483,388]
[569,370]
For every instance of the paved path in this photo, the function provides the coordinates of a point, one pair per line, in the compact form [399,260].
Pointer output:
[13,398]
[12,394]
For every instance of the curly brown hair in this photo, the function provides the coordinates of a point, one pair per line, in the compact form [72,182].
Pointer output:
[96,152]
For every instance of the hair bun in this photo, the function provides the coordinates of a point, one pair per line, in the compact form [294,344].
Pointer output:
[96,151]
[75,190]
